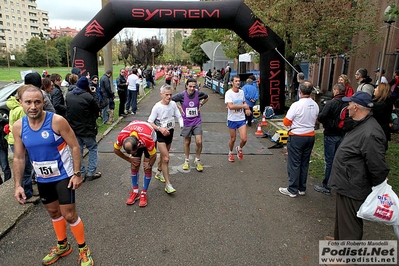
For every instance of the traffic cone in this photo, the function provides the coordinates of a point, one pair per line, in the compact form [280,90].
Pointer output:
[264,123]
[259,131]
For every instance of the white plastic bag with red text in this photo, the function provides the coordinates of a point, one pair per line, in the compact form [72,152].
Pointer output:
[382,205]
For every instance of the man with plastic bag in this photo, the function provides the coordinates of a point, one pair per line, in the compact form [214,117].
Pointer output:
[359,164]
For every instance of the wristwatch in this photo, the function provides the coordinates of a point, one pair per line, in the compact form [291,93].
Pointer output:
[78,173]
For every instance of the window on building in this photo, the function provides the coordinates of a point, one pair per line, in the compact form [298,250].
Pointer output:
[12,10]
[5,1]
[11,47]
[7,17]
[18,11]
[22,39]
[6,9]
[11,3]
[10,38]
[24,13]
[17,46]
[22,46]
[8,24]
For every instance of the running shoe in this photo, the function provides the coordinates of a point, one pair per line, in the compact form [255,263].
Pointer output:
[132,198]
[85,258]
[301,193]
[322,189]
[57,252]
[160,177]
[240,156]
[285,191]
[186,164]
[169,189]
[143,199]
[231,157]
[198,165]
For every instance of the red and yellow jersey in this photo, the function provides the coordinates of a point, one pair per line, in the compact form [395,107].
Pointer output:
[144,132]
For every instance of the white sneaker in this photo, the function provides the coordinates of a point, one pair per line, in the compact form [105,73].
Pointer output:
[301,193]
[169,189]
[285,191]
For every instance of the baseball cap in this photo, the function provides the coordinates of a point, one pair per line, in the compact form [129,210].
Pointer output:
[360,97]
[378,70]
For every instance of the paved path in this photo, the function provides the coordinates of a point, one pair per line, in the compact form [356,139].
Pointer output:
[230,214]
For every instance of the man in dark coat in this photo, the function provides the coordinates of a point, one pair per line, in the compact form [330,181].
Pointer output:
[83,110]
[359,164]
[106,89]
[121,83]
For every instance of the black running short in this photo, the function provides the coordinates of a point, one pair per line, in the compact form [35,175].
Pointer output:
[58,190]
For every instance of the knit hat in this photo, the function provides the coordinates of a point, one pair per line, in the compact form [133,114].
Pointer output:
[34,79]
[83,83]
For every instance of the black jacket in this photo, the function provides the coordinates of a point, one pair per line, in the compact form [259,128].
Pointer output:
[83,109]
[121,83]
[105,87]
[382,113]
[329,114]
[57,99]
[359,161]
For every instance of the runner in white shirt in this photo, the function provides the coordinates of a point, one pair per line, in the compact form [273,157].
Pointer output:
[162,119]
[236,110]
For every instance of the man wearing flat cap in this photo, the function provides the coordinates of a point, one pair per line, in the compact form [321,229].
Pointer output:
[359,164]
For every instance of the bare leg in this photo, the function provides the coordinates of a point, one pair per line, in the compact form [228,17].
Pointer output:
[164,160]
[198,142]
[187,142]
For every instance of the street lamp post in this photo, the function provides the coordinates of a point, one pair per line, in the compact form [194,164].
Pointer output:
[389,19]
[153,52]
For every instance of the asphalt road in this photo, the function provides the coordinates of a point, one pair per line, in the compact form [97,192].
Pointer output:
[230,214]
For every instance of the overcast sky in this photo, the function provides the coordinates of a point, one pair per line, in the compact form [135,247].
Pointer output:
[77,13]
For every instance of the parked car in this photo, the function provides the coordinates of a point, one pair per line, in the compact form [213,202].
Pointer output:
[6,92]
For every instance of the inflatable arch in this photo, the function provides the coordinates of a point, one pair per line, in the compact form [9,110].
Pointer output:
[233,15]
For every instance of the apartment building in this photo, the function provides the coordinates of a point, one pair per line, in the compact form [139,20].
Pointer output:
[56,33]
[20,20]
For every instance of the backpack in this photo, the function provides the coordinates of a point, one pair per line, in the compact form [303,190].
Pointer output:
[269,112]
[343,121]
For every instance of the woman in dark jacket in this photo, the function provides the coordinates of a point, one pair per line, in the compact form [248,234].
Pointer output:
[382,108]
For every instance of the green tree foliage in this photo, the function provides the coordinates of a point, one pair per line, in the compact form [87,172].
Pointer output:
[191,45]
[315,28]
[63,46]
[39,51]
